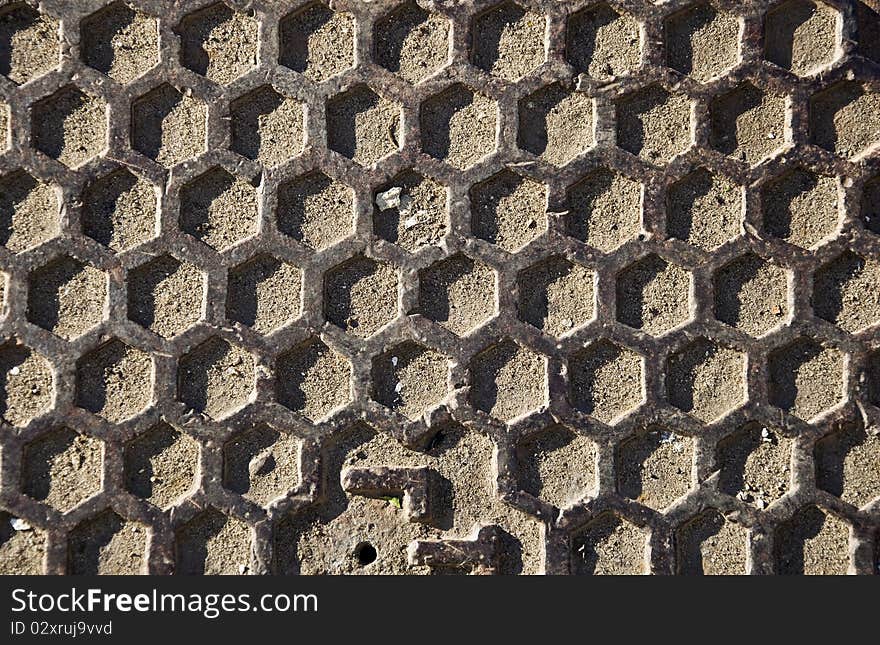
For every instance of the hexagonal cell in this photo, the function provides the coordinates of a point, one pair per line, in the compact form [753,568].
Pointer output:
[458,126]
[806,378]
[161,465]
[4,127]
[702,42]
[706,380]
[556,295]
[410,379]
[813,542]
[411,211]
[218,43]
[755,464]
[360,296]
[213,544]
[846,292]
[604,209]
[711,545]
[70,126]
[313,379]
[317,42]
[267,126]
[67,297]
[216,378]
[603,43]
[264,293]
[26,384]
[363,126]
[868,30]
[120,41]
[801,207]
[872,378]
[218,209]
[555,124]
[801,36]
[846,464]
[747,123]
[508,381]
[870,204]
[458,293]
[261,464]
[606,381]
[608,545]
[62,468]
[114,381]
[22,547]
[751,294]
[704,209]
[29,44]
[29,211]
[508,41]
[653,295]
[119,210]
[557,465]
[167,126]
[654,467]
[315,210]
[654,124]
[107,545]
[412,42]
[508,210]
[845,119]
[166,296]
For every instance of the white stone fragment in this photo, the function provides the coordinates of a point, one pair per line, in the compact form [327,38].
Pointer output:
[389,199]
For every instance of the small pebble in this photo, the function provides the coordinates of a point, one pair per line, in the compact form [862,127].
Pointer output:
[20,525]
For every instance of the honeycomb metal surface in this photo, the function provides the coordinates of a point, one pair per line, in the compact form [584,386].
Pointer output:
[216,390]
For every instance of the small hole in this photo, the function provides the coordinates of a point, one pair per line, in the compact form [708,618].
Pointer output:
[366,553]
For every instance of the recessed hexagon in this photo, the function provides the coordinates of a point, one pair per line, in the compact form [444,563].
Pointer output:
[747,123]
[119,210]
[360,295]
[167,126]
[702,41]
[218,209]
[313,380]
[267,126]
[508,210]
[67,297]
[704,209]
[29,43]
[846,464]
[22,551]
[107,545]
[26,384]
[812,542]
[556,295]
[806,378]
[165,295]
[555,124]
[801,36]
[216,378]
[508,381]
[315,210]
[29,211]
[114,381]
[845,119]
[654,124]
[653,295]
[751,294]
[120,41]
[870,204]
[801,207]
[70,126]
[755,464]
[868,30]
[458,126]
[161,465]
[606,381]
[412,42]
[872,378]
[363,126]
[264,293]
[62,468]
[410,379]
[213,544]
[603,43]
[654,467]
[710,544]
[411,211]
[508,41]
[218,43]
[261,464]
[706,380]
[846,292]
[317,42]
[458,293]
[556,465]
[604,209]
[608,545]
